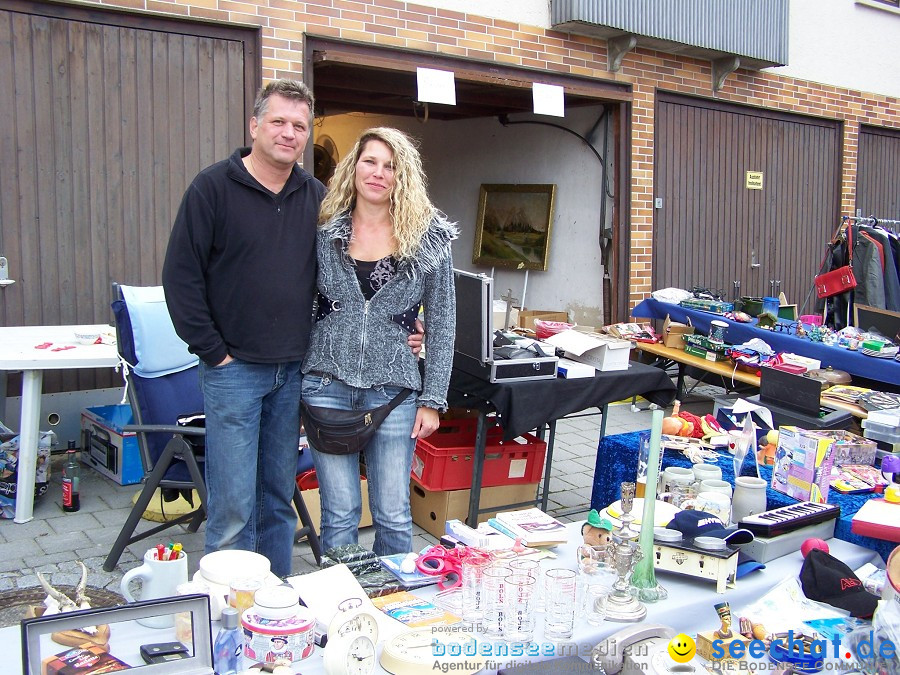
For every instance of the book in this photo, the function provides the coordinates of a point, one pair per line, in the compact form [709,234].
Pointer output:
[533,527]
[414,611]
[86,660]
[414,579]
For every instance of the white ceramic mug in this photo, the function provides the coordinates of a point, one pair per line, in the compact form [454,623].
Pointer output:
[715,503]
[713,485]
[159,579]
[707,472]
[675,474]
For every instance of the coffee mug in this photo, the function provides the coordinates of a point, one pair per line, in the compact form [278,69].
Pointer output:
[713,485]
[707,472]
[715,503]
[675,475]
[159,579]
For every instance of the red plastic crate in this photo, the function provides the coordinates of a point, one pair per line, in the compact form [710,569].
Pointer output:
[444,460]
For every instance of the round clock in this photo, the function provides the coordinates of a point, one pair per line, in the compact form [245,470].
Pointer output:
[350,654]
[417,651]
[351,617]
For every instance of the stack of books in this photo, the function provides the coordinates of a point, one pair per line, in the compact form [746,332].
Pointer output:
[532,526]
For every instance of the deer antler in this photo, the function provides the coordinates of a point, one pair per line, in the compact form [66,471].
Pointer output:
[65,603]
[81,598]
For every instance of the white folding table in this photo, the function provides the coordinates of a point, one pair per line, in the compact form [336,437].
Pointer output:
[18,351]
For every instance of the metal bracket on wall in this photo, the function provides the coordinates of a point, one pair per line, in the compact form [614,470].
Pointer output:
[4,274]
[722,68]
[618,47]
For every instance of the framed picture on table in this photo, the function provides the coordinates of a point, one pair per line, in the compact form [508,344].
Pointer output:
[513,226]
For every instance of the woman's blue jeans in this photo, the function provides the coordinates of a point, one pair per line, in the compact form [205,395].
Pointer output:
[252,444]
[388,463]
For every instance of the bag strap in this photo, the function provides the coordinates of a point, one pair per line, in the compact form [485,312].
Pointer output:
[399,398]
[833,242]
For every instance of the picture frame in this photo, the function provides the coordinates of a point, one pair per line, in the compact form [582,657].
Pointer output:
[514,225]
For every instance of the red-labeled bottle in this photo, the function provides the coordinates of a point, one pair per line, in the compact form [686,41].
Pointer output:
[71,500]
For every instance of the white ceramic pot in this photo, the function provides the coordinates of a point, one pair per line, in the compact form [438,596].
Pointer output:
[704,472]
[749,497]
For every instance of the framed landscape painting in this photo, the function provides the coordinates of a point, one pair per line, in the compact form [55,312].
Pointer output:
[513,226]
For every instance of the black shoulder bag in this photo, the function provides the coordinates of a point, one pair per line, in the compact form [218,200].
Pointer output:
[344,432]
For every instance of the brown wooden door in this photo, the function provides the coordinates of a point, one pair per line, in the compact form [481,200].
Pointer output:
[106,124]
[710,229]
[878,173]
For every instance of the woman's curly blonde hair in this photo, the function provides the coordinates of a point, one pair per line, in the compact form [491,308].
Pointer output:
[411,210]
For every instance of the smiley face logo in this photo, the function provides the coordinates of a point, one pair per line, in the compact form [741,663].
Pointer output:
[682,648]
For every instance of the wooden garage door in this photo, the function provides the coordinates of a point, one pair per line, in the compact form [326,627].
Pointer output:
[878,173]
[710,229]
[108,118]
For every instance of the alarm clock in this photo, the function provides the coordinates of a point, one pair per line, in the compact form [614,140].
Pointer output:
[417,651]
[351,618]
[350,654]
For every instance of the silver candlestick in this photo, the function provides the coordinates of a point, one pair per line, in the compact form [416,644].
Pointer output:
[622,604]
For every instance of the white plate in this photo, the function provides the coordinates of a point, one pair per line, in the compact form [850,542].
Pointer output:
[663,512]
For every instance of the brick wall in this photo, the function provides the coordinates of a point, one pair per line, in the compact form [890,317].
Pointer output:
[399,24]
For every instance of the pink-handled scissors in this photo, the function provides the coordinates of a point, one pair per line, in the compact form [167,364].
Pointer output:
[447,562]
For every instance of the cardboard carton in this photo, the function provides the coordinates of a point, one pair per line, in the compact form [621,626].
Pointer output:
[674,332]
[431,509]
[803,462]
[527,316]
[600,351]
[109,449]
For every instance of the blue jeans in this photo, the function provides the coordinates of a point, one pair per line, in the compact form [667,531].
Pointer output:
[388,463]
[252,445]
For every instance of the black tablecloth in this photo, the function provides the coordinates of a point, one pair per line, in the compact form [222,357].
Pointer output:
[525,405]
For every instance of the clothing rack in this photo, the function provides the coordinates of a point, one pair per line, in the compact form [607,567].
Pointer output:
[870,220]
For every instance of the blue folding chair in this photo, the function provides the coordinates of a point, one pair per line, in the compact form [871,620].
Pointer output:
[162,384]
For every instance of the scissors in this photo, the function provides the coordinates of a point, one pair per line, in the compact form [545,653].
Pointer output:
[447,562]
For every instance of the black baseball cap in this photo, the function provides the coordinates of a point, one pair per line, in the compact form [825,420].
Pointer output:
[826,579]
[693,523]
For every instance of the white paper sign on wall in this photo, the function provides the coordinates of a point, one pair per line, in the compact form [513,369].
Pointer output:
[549,99]
[436,86]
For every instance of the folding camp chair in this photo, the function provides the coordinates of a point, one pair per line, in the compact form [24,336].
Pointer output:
[162,384]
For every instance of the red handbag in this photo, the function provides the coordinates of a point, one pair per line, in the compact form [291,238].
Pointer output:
[839,280]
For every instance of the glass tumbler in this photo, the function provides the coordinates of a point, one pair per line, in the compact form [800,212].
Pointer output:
[532,568]
[559,603]
[472,574]
[520,592]
[595,599]
[494,590]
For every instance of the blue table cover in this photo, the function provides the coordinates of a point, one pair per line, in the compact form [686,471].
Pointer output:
[617,459]
[855,363]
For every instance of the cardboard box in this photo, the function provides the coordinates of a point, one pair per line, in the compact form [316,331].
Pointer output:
[600,351]
[803,462]
[107,448]
[570,369]
[314,505]
[527,316]
[432,509]
[673,333]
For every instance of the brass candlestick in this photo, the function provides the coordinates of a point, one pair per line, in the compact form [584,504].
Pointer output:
[622,605]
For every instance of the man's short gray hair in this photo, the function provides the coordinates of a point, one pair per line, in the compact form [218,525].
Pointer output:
[290,89]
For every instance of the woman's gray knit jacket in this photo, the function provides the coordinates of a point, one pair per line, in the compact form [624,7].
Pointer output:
[362,342]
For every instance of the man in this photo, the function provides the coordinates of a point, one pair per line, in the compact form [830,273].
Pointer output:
[239,278]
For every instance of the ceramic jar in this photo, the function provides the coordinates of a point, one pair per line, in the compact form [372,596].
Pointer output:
[749,497]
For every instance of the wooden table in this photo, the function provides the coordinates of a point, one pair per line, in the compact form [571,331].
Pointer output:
[724,369]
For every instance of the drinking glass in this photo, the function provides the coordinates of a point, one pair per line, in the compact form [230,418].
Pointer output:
[559,603]
[494,590]
[519,608]
[472,574]
[595,599]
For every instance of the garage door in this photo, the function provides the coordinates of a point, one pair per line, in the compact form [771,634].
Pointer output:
[111,117]
[715,223]
[878,173]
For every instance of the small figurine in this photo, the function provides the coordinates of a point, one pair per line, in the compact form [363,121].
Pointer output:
[724,611]
[596,531]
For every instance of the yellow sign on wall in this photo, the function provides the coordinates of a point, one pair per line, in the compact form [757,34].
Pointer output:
[754,180]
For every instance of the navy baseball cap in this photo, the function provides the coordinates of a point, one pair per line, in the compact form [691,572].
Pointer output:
[702,524]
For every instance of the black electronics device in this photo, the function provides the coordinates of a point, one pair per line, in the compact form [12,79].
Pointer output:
[795,400]
[475,352]
[160,652]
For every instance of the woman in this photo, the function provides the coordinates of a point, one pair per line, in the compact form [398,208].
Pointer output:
[383,251]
